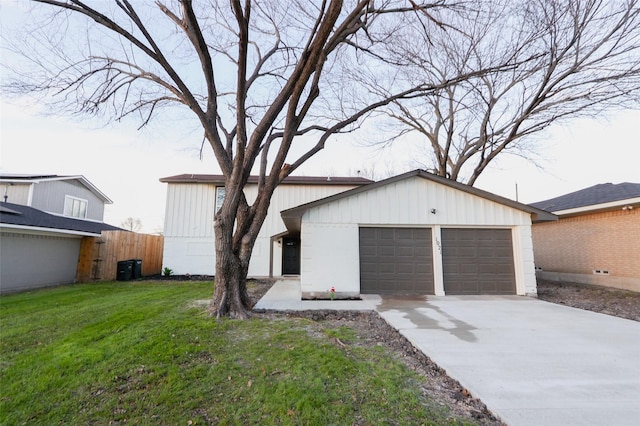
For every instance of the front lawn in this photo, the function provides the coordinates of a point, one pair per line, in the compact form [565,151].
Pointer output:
[145,353]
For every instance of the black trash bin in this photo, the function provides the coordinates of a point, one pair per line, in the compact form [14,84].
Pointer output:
[136,271]
[125,270]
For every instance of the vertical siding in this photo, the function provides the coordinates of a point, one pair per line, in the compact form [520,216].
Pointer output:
[410,202]
[189,211]
[189,245]
[49,196]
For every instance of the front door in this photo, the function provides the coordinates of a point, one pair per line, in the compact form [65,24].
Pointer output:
[290,256]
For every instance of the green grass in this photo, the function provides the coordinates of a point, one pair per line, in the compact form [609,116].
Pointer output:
[141,353]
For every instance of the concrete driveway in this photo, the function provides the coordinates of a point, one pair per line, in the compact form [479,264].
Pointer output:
[531,362]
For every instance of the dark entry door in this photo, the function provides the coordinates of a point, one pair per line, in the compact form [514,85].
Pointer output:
[478,261]
[290,256]
[396,261]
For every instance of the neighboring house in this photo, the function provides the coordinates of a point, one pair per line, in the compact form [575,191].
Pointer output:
[71,196]
[43,219]
[596,239]
[39,249]
[193,199]
[416,233]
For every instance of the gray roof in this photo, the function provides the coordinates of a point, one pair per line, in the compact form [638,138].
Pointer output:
[289,180]
[292,217]
[597,194]
[17,214]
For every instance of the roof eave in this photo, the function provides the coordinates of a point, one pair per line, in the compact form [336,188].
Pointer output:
[599,208]
[48,178]
[39,230]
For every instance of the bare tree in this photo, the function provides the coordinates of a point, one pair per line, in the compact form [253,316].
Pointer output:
[259,77]
[577,58]
[131,224]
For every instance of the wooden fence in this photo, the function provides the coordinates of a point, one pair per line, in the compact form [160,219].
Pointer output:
[99,256]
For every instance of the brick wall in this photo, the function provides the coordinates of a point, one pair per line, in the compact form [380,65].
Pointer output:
[578,245]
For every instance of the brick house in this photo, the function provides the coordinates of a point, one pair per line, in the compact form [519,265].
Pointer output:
[596,239]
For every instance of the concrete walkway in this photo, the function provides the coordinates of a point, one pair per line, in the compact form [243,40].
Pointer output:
[531,362]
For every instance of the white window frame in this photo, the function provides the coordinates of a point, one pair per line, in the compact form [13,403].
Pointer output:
[75,207]
[220,193]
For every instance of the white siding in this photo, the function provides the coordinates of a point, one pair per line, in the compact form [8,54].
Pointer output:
[329,253]
[189,211]
[410,201]
[17,193]
[525,264]
[189,235]
[333,253]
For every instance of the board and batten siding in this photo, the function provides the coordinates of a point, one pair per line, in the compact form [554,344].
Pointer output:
[189,235]
[330,245]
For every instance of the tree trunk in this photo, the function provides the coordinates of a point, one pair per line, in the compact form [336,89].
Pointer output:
[230,297]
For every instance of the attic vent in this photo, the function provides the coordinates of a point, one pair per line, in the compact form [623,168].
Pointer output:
[601,272]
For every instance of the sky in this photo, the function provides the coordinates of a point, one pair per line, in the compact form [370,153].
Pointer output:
[126,164]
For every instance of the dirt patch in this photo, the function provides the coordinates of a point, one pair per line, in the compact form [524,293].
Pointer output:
[258,287]
[186,277]
[610,301]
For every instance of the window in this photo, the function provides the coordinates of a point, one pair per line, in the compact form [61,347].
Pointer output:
[219,197]
[75,207]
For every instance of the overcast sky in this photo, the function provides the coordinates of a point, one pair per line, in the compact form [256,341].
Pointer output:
[126,164]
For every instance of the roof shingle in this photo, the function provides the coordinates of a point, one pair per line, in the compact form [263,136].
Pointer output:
[597,194]
[17,214]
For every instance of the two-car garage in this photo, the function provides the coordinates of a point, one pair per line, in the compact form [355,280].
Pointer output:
[415,233]
[400,261]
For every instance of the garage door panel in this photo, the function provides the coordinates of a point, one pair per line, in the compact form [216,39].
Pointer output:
[386,251]
[407,252]
[404,259]
[368,267]
[478,261]
[384,234]
[368,251]
[386,268]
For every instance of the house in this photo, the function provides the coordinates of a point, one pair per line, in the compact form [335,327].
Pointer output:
[596,239]
[43,220]
[193,199]
[70,196]
[416,233]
